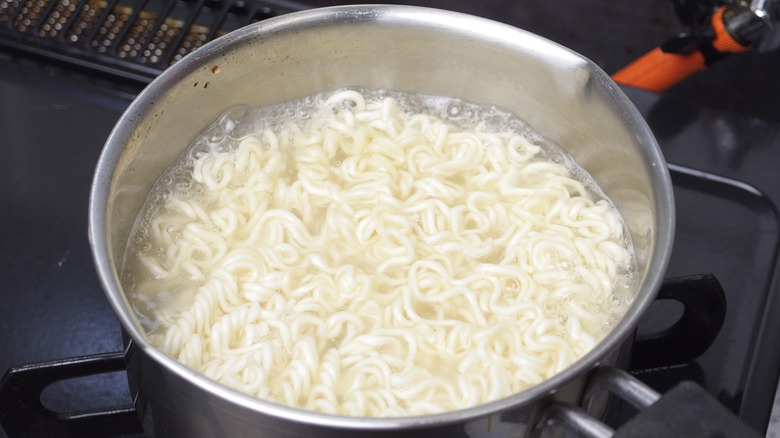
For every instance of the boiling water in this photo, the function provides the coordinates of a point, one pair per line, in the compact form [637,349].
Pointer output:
[164,301]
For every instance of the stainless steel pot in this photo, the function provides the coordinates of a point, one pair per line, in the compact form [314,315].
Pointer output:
[559,93]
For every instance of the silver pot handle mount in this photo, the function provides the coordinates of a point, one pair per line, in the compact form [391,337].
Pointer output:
[685,411]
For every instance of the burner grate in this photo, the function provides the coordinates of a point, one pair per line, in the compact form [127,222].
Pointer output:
[135,39]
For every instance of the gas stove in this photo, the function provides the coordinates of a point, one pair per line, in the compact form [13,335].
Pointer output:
[59,101]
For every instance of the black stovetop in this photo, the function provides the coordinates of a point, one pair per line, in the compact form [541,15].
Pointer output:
[55,118]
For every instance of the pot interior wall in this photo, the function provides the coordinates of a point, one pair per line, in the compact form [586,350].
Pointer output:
[561,95]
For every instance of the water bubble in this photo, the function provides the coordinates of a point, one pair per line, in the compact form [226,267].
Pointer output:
[227,125]
[199,151]
[182,183]
[216,136]
[454,109]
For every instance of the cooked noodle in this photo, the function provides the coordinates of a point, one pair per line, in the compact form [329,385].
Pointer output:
[373,262]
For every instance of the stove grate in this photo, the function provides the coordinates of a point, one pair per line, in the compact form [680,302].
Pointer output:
[135,39]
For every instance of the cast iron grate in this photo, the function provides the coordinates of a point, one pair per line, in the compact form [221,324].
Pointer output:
[135,39]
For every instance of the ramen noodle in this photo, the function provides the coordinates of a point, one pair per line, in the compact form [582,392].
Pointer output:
[377,254]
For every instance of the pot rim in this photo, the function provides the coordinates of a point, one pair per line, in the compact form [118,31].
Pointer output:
[419,16]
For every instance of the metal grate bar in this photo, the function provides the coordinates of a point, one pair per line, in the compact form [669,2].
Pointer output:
[138,10]
[61,19]
[134,39]
[154,30]
[105,23]
[85,12]
[28,15]
[220,21]
[202,30]
[183,30]
[45,13]
[8,10]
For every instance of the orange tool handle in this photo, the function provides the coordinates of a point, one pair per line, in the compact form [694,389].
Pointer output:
[658,70]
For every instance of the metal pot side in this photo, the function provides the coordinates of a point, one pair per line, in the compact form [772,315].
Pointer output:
[559,93]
